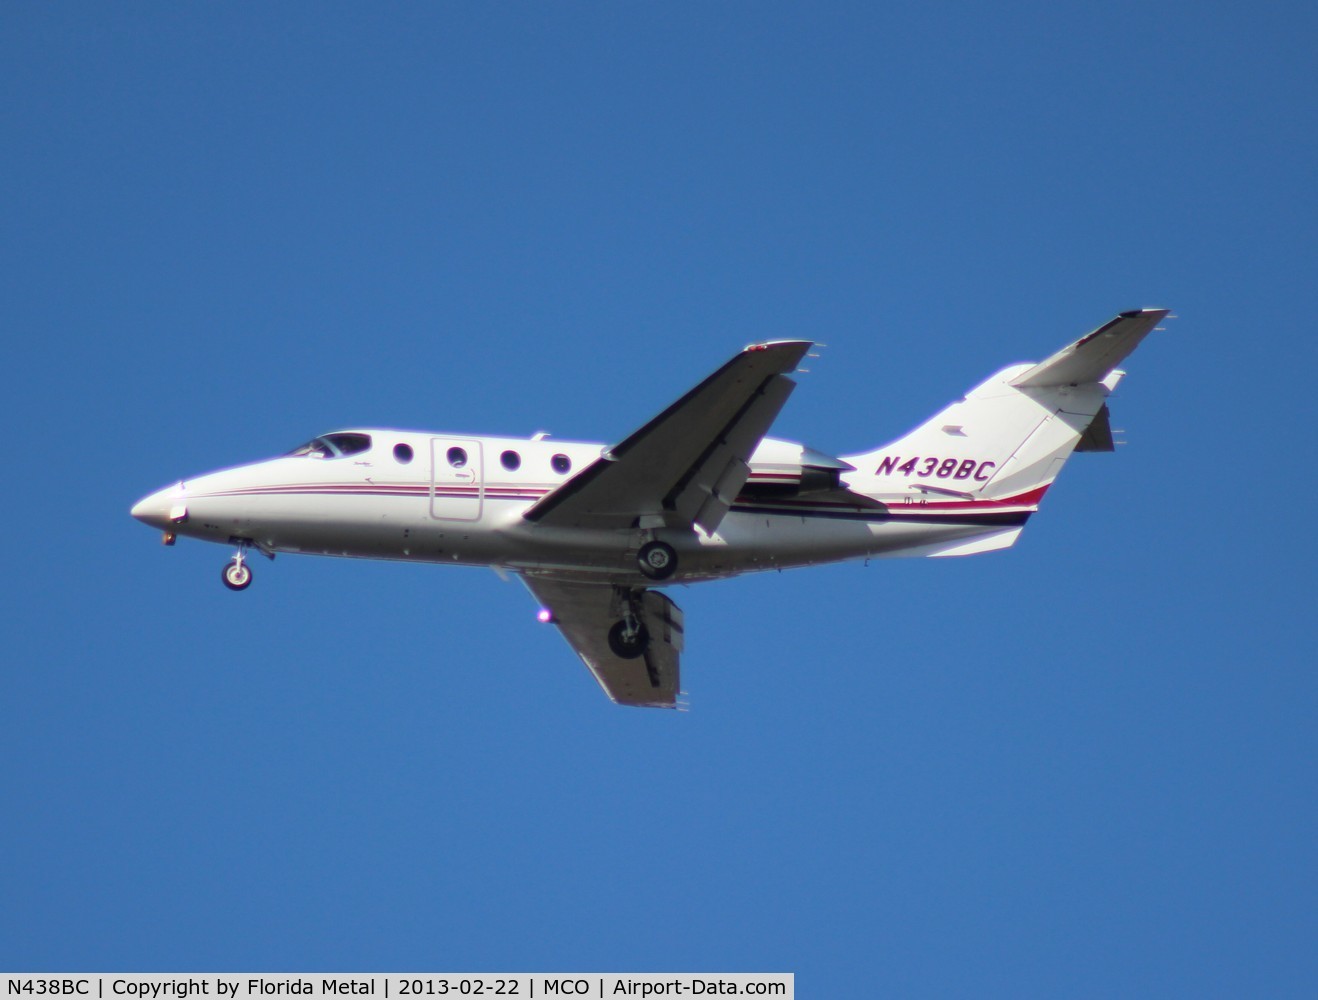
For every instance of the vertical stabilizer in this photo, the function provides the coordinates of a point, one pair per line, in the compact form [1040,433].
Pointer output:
[1008,438]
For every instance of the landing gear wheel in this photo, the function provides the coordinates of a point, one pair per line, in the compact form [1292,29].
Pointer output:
[657,560]
[625,648]
[237,575]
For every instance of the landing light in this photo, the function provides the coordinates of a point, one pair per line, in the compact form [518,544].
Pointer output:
[545,617]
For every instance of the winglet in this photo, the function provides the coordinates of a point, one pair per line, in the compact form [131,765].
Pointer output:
[1094,356]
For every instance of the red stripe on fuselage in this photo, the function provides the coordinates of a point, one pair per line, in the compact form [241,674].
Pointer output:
[924,506]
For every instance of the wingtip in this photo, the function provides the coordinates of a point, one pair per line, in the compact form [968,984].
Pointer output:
[766,345]
[787,354]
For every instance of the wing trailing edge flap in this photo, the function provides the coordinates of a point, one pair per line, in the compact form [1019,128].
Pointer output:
[687,465]
[716,479]
[584,613]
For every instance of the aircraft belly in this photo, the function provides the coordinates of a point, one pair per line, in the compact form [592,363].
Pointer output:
[404,528]
[746,543]
[397,527]
[751,542]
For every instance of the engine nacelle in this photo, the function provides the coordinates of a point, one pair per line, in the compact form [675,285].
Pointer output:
[788,469]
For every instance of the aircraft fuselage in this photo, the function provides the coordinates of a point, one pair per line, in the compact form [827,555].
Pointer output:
[455,499]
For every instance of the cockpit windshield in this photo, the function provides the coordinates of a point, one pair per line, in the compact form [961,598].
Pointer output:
[334,445]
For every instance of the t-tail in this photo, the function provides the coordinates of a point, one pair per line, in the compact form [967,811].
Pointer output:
[992,455]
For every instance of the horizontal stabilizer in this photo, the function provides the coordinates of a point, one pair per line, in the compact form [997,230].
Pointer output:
[1093,357]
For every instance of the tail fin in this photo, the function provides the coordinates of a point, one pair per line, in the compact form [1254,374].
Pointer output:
[1006,441]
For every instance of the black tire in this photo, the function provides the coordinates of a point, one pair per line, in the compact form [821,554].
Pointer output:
[236,576]
[657,560]
[628,650]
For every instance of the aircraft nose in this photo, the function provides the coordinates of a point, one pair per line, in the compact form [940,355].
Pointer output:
[160,508]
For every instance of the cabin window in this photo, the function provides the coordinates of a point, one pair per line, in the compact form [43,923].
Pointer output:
[403,453]
[511,461]
[561,464]
[457,457]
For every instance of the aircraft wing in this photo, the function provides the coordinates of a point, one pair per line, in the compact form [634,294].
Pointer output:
[688,464]
[584,612]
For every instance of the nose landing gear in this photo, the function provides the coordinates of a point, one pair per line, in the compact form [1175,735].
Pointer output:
[237,575]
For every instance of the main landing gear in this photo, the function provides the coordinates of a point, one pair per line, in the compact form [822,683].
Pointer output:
[237,575]
[629,638]
[657,560]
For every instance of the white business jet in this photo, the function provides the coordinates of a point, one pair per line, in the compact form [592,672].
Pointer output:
[698,493]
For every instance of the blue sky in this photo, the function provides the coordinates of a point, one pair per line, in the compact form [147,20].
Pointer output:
[1082,767]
